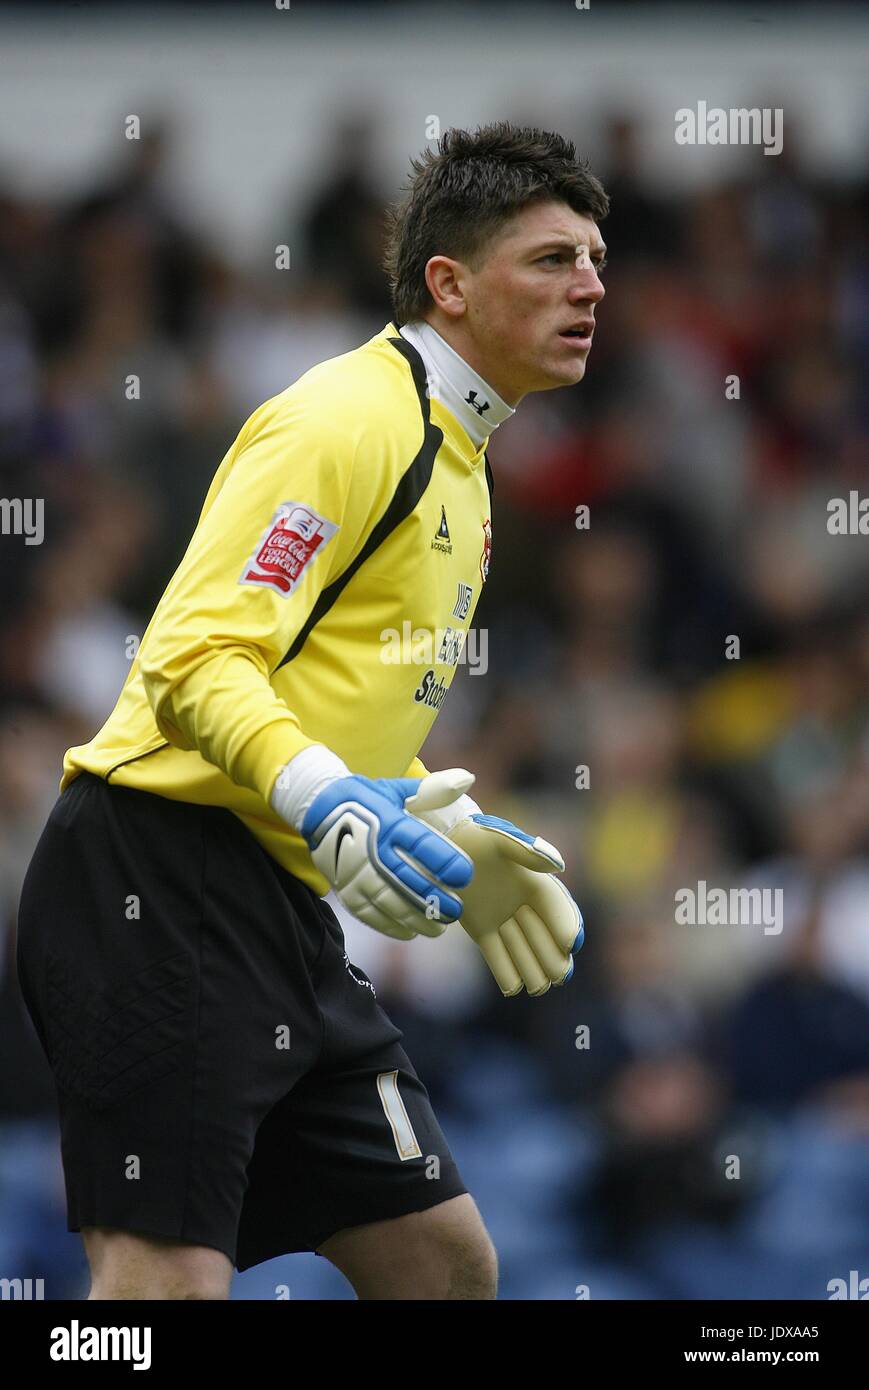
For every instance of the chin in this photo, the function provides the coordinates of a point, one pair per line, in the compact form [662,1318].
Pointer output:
[554,372]
[566,374]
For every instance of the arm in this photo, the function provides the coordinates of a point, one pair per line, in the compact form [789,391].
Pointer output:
[229,615]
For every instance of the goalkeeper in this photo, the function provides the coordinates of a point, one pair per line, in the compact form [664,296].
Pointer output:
[188,982]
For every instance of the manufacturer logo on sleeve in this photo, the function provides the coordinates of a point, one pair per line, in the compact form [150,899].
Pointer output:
[293,538]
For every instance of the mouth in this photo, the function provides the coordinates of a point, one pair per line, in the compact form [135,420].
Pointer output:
[579,333]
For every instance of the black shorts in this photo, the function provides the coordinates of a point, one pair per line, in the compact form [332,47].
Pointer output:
[225,1075]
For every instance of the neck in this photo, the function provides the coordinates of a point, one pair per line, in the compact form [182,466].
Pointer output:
[456,384]
[453,331]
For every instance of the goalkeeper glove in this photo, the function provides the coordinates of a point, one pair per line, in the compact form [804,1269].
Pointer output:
[519,913]
[389,868]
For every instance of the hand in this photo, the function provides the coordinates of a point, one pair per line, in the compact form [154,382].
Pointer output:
[388,867]
[519,913]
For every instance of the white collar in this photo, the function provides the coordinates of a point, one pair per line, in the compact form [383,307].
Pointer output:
[456,385]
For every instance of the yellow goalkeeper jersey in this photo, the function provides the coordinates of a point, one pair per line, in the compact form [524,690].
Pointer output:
[324,597]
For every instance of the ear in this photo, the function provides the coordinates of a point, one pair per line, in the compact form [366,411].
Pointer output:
[444,278]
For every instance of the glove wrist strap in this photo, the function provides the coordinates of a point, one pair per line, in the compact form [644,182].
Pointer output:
[302,779]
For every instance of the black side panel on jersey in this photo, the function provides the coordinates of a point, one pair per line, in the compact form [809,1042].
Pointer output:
[490,477]
[405,499]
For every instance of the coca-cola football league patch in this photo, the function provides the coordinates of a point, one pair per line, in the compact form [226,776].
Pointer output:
[293,538]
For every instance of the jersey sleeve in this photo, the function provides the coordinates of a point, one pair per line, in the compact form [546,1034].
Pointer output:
[275,529]
[417,769]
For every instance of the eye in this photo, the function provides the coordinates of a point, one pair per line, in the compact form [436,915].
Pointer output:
[553,256]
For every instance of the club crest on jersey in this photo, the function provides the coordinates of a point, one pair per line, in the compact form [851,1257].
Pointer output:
[486,556]
[292,539]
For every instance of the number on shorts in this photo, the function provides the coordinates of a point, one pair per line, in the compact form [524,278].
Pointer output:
[399,1121]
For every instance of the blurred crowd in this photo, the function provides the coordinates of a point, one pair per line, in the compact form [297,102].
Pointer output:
[677,692]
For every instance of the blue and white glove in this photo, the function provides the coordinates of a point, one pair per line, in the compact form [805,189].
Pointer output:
[521,916]
[389,868]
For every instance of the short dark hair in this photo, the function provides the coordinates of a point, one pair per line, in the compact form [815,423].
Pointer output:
[462,194]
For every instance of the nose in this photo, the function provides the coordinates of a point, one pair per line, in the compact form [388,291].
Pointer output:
[587,287]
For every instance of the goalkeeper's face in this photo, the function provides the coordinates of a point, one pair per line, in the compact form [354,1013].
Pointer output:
[526,315]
